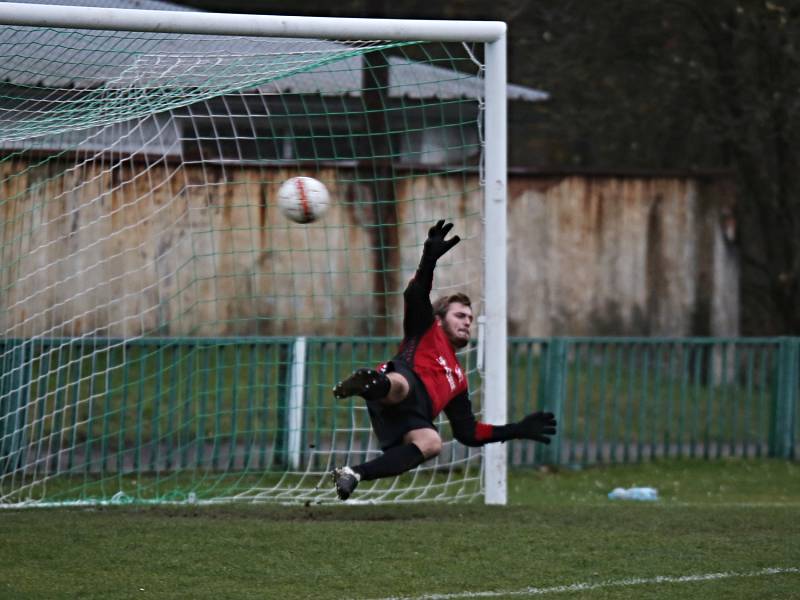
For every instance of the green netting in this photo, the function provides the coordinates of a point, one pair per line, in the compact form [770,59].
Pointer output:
[166,334]
[65,79]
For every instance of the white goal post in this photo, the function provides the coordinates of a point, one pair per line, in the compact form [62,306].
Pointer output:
[492,173]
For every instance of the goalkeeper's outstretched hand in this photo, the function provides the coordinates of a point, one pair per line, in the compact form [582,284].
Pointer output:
[436,246]
[538,426]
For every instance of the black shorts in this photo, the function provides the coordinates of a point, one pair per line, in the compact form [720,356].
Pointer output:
[391,423]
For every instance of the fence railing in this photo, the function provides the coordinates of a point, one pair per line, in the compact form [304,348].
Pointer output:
[630,399]
[93,405]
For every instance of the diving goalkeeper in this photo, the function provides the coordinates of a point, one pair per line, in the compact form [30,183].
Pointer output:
[405,394]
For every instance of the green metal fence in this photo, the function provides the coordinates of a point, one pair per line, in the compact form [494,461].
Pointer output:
[631,399]
[98,405]
[109,405]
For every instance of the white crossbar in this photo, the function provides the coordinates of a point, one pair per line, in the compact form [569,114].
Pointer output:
[164,21]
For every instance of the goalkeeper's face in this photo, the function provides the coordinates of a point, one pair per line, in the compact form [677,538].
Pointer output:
[457,323]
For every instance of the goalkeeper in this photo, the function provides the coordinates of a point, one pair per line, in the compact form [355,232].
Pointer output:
[424,378]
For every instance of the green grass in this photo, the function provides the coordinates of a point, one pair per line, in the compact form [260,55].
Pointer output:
[558,529]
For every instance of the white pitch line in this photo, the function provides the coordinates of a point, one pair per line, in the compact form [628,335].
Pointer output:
[585,587]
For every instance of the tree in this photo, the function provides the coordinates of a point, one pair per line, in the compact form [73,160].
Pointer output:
[743,75]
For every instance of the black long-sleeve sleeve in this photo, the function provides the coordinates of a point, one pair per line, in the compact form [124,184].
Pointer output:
[462,420]
[418,313]
[468,430]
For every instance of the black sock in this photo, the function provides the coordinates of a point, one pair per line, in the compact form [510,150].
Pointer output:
[394,461]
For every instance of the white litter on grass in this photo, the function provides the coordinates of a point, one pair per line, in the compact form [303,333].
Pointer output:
[587,587]
[634,493]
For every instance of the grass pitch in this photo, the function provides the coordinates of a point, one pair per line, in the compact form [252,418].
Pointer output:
[725,529]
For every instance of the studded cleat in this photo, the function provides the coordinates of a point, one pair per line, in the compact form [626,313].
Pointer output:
[367,383]
[346,480]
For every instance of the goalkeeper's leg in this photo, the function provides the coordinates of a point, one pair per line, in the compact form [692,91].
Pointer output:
[418,446]
[370,384]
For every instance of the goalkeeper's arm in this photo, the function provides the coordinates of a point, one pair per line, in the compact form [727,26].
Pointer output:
[418,309]
[538,426]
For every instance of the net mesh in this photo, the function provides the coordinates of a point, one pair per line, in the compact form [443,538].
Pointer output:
[166,334]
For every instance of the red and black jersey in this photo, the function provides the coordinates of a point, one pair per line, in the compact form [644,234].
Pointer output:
[425,347]
[431,357]
[427,351]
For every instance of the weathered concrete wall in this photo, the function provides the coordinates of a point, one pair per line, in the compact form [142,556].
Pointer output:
[203,251]
[174,252]
[601,255]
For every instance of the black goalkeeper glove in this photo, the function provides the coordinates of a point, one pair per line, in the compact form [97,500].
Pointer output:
[537,426]
[436,246]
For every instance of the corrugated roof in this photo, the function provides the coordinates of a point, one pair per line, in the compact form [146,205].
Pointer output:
[134,57]
[407,79]
[140,4]
[88,59]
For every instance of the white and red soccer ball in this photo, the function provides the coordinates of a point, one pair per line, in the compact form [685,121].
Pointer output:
[303,199]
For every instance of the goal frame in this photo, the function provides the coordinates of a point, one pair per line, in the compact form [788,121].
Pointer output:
[491,33]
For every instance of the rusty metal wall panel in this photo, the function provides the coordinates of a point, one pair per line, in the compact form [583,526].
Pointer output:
[216,259]
[595,255]
[588,255]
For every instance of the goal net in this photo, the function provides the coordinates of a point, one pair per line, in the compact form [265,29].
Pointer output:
[166,334]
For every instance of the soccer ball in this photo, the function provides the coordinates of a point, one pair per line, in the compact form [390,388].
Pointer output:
[303,199]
